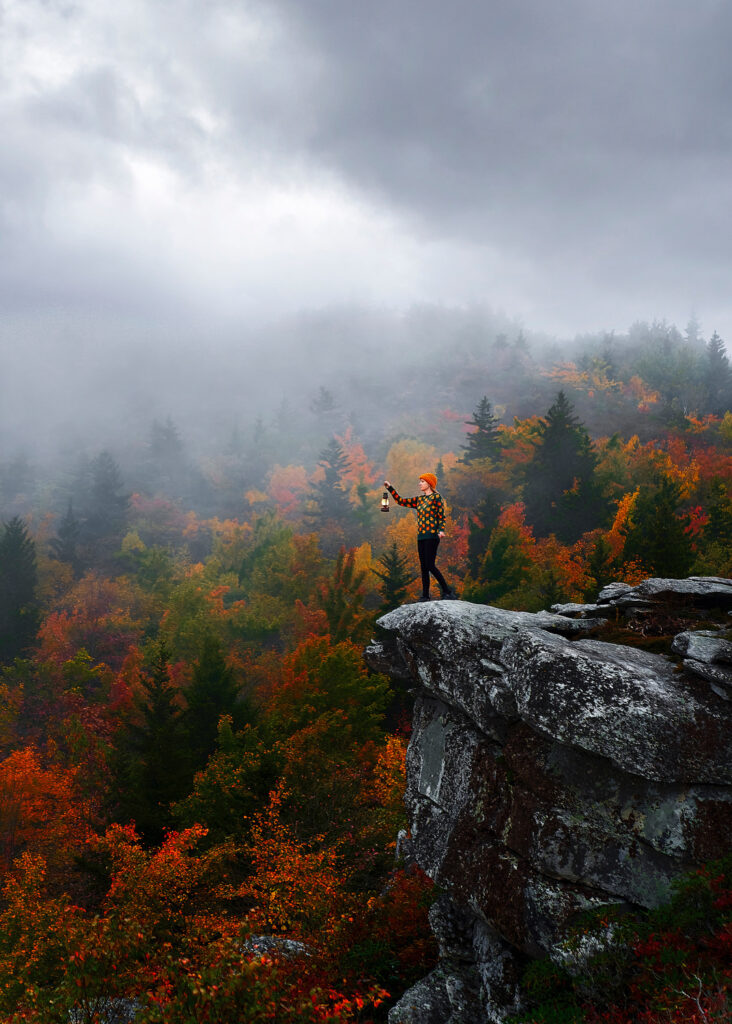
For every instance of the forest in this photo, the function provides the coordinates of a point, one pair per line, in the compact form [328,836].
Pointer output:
[201,782]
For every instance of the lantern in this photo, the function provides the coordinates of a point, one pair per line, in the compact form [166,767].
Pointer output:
[385,502]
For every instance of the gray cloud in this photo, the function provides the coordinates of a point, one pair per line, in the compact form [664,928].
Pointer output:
[569,162]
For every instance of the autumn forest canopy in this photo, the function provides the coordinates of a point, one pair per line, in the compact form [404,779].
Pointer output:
[193,754]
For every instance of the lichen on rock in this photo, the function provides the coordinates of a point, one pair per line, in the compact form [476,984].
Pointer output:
[550,772]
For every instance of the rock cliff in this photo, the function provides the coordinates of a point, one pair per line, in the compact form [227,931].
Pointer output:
[551,771]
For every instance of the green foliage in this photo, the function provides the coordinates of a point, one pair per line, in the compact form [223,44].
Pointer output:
[656,537]
[65,545]
[341,597]
[483,442]
[18,579]
[503,570]
[624,967]
[214,692]
[329,507]
[106,513]
[395,578]
[560,492]
[234,783]
[156,762]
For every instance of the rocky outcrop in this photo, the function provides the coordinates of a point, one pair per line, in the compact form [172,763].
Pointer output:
[550,771]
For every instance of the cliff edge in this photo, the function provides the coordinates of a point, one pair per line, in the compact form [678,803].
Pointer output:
[551,771]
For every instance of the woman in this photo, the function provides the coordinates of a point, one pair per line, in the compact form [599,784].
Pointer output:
[430,529]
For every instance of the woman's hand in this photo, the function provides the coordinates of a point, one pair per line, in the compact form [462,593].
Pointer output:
[442,534]
[387,484]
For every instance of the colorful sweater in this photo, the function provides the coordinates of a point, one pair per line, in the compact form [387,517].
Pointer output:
[430,512]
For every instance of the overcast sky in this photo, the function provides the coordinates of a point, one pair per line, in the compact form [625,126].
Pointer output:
[227,161]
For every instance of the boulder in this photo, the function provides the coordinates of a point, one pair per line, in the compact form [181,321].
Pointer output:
[550,772]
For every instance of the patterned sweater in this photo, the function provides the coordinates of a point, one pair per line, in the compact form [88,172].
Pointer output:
[430,512]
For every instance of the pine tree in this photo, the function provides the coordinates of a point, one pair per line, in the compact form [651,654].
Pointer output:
[395,578]
[18,578]
[213,692]
[655,536]
[341,598]
[719,508]
[65,545]
[166,470]
[483,441]
[718,377]
[481,526]
[560,493]
[107,512]
[599,568]
[330,507]
[504,568]
[158,769]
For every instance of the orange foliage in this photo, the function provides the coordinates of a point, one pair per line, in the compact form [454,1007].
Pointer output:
[359,468]
[104,617]
[518,442]
[294,887]
[40,809]
[616,535]
[287,486]
[643,395]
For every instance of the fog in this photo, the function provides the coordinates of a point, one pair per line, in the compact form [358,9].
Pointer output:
[209,208]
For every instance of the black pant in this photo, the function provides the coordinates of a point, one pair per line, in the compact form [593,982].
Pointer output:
[427,548]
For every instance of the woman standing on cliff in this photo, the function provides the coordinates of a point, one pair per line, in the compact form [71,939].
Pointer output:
[430,530]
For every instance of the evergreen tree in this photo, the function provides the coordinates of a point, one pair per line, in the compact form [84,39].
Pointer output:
[395,578]
[719,508]
[599,568]
[323,403]
[166,471]
[655,536]
[341,598]
[504,568]
[561,494]
[483,441]
[214,691]
[330,507]
[718,377]
[18,578]
[481,526]
[65,545]
[107,512]
[158,769]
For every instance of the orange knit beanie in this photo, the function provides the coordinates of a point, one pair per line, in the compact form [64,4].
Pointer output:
[431,480]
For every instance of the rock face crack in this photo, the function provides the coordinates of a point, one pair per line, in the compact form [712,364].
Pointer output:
[549,772]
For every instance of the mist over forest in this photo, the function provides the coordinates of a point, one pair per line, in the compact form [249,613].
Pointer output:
[387,375]
[256,259]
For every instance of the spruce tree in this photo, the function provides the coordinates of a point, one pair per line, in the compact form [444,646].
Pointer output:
[719,508]
[342,596]
[481,526]
[718,377]
[65,545]
[18,578]
[107,511]
[560,492]
[655,536]
[483,441]
[213,692]
[395,578]
[330,507]
[328,494]
[158,762]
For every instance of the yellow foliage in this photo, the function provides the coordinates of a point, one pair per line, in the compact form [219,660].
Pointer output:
[132,542]
[616,536]
[405,462]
